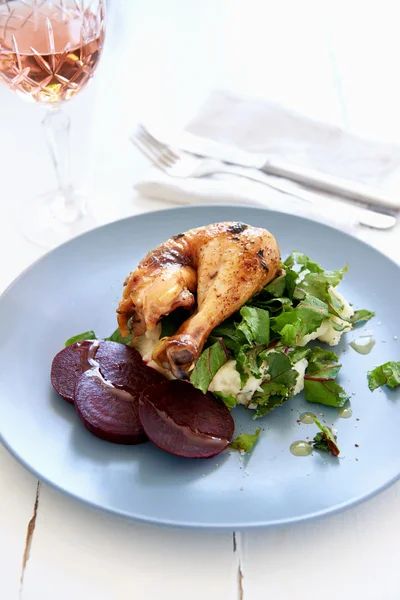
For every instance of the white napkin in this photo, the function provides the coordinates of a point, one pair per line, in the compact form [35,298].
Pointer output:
[260,126]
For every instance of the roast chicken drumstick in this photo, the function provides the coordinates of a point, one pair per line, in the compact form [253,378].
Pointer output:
[215,269]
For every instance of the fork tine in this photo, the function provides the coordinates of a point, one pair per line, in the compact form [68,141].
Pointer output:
[154,158]
[157,143]
[155,147]
[156,152]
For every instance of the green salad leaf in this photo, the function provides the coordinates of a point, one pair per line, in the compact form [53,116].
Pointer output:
[318,284]
[276,287]
[319,381]
[298,352]
[254,325]
[245,336]
[280,377]
[280,380]
[318,354]
[210,361]
[361,316]
[245,441]
[90,335]
[313,280]
[324,392]
[229,400]
[86,335]
[227,331]
[171,323]
[117,337]
[264,339]
[271,304]
[266,404]
[298,261]
[277,293]
[293,324]
[325,440]
[291,278]
[386,374]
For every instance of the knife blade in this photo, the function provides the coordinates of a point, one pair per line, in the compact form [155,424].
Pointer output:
[311,179]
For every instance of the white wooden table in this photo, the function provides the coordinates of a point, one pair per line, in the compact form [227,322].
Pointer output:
[336,62]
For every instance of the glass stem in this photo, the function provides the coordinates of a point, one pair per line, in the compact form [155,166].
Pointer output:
[56,125]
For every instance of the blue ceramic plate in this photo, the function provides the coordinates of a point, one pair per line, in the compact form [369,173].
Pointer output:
[77,286]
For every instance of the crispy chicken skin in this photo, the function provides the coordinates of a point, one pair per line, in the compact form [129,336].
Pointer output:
[224,264]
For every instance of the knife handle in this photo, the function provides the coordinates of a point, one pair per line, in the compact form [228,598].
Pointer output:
[330,184]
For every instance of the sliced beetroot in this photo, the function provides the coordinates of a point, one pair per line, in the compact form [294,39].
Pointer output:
[124,366]
[120,364]
[68,365]
[106,411]
[182,420]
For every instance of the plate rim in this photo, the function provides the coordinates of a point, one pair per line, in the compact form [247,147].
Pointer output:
[188,524]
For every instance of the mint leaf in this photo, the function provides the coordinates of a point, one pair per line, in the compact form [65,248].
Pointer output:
[386,374]
[209,363]
[229,400]
[361,315]
[245,441]
[254,325]
[86,335]
[325,440]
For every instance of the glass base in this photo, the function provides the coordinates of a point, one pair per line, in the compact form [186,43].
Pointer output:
[50,220]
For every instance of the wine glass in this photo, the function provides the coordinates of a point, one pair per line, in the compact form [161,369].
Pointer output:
[49,50]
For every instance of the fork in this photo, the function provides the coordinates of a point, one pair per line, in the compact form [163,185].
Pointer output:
[181,165]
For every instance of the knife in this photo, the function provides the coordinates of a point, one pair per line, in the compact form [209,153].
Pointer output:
[309,178]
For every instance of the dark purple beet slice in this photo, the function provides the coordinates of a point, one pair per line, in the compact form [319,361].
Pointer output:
[106,411]
[181,420]
[67,366]
[123,366]
[120,364]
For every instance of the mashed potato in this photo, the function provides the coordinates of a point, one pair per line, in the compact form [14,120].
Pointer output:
[227,381]
[146,344]
[300,367]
